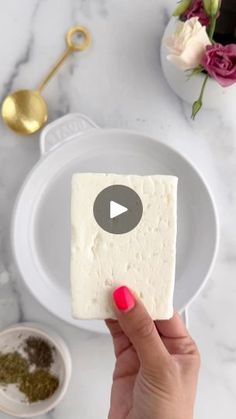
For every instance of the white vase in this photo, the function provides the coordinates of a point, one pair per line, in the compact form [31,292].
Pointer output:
[189,89]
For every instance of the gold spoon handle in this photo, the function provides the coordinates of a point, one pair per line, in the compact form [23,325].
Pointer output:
[72,46]
[54,69]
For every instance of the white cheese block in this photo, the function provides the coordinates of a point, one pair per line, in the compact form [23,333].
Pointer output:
[143,259]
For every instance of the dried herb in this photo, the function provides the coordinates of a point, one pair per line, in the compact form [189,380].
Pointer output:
[13,367]
[39,385]
[39,352]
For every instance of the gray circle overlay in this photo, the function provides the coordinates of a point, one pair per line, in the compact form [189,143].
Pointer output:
[122,195]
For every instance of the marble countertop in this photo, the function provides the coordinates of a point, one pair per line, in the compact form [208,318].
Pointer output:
[118,83]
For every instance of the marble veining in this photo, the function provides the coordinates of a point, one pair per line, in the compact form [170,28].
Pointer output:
[118,83]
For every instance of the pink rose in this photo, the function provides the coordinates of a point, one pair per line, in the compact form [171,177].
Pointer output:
[196,9]
[220,63]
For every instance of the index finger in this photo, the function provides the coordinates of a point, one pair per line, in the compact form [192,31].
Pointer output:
[173,328]
[176,337]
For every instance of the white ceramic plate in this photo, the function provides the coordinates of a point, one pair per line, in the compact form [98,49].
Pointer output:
[41,224]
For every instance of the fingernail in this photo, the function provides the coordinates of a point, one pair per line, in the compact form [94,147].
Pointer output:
[123,298]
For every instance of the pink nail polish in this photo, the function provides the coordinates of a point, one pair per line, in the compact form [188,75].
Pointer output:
[123,298]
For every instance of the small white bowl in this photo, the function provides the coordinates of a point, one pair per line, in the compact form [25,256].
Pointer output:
[11,401]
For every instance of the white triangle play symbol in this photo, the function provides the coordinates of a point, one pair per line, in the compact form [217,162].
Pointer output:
[116,209]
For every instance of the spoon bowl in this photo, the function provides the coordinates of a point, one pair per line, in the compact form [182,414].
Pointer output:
[25,111]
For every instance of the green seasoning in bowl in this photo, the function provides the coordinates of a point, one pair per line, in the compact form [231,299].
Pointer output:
[38,385]
[13,367]
[29,369]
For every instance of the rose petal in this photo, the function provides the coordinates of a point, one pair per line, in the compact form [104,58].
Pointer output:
[187,45]
[220,63]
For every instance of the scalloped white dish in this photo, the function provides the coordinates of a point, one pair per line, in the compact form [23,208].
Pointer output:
[41,221]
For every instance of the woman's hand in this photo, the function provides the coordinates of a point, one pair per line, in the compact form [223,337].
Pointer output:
[157,364]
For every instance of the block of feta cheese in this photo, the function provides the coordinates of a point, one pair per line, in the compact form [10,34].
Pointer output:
[143,258]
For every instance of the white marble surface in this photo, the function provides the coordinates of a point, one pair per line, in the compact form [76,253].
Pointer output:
[118,83]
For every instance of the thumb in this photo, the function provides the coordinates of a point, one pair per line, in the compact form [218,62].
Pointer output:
[139,328]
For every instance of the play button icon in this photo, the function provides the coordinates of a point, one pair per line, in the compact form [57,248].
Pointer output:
[117,209]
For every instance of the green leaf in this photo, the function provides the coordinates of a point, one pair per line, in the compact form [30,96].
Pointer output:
[183,5]
[196,108]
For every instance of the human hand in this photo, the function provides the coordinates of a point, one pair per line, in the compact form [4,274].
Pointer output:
[157,364]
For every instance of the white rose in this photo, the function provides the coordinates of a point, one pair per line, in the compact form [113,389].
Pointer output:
[187,44]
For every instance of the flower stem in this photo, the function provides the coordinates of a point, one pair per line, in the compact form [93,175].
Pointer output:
[212,27]
[198,103]
[203,86]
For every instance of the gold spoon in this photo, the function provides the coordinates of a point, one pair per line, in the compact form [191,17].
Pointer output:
[25,111]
